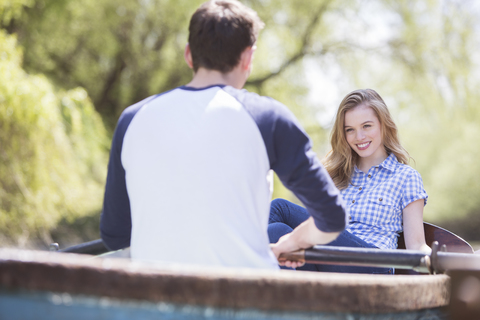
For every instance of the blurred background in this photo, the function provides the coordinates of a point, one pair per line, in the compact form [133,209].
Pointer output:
[69,67]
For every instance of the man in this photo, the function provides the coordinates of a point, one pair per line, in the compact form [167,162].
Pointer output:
[189,177]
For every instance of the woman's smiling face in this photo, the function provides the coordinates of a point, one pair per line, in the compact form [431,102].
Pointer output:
[363,132]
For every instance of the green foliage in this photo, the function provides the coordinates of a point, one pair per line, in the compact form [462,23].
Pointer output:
[119,51]
[123,51]
[420,55]
[11,9]
[445,91]
[53,153]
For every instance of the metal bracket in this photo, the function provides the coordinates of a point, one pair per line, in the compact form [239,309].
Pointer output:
[434,257]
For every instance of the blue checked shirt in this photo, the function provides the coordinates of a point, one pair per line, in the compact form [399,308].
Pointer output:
[376,201]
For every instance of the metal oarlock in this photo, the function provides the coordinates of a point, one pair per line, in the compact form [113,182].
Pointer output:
[434,258]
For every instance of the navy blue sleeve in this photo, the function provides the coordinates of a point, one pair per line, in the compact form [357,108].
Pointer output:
[291,156]
[115,221]
[299,169]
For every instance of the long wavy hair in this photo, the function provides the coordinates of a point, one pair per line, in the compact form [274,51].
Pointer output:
[341,160]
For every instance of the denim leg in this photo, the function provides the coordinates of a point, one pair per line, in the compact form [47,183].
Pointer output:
[286,216]
[288,213]
[276,230]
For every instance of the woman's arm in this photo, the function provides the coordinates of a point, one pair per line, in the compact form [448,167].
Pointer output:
[413,227]
[304,236]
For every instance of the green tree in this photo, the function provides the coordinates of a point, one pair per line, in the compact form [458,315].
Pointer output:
[444,89]
[419,55]
[54,149]
[124,51]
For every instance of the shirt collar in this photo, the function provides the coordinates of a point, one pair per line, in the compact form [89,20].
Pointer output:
[185,87]
[389,163]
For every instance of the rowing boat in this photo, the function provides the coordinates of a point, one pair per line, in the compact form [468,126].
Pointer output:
[46,285]
[53,285]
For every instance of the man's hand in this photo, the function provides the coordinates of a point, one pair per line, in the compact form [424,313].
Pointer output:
[285,245]
[306,235]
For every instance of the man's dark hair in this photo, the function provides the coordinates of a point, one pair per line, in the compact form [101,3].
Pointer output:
[220,30]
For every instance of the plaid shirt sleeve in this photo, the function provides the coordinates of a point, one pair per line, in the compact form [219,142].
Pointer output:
[413,190]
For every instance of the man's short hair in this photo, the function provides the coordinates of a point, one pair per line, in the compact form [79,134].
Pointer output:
[220,30]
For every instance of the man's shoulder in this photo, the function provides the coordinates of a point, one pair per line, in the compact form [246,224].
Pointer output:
[259,105]
[131,110]
[129,113]
[134,108]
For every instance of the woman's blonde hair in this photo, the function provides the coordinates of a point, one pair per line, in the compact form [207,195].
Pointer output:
[341,160]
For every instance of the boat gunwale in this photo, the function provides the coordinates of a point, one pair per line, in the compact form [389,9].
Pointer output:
[234,288]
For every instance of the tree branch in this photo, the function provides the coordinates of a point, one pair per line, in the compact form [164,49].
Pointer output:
[303,49]
[113,77]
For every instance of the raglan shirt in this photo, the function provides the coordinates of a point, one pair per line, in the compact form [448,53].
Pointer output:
[189,177]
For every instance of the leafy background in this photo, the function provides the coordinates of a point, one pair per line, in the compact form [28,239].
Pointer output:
[69,67]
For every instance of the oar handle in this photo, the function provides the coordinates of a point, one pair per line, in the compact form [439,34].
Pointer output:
[298,256]
[362,257]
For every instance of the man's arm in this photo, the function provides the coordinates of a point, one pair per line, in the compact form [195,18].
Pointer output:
[116,221]
[301,171]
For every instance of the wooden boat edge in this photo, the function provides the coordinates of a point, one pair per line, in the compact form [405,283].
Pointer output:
[220,287]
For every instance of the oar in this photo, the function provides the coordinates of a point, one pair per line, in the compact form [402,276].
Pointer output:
[94,247]
[436,262]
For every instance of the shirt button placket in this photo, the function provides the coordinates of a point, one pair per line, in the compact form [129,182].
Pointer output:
[350,217]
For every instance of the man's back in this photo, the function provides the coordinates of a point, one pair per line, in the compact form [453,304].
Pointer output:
[188,178]
[197,175]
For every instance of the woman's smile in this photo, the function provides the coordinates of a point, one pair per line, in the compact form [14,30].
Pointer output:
[364,146]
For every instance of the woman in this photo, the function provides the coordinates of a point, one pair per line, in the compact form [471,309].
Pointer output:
[383,195]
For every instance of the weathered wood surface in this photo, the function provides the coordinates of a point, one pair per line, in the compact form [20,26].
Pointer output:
[220,287]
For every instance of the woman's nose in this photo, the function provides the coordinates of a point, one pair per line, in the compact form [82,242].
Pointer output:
[360,135]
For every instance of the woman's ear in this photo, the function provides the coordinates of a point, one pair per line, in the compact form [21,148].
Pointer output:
[188,56]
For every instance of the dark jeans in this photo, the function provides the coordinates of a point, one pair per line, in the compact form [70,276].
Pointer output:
[286,216]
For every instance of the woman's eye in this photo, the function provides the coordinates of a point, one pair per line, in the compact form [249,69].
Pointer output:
[348,130]
[367,126]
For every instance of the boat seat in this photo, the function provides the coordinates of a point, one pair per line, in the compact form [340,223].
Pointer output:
[444,237]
